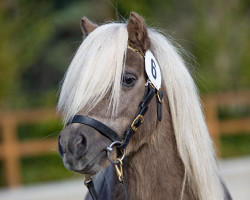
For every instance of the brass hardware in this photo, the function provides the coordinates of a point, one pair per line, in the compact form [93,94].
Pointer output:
[158,96]
[133,126]
[136,50]
[119,170]
[152,85]
[110,148]
[87,181]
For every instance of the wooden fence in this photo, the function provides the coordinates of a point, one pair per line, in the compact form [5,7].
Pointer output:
[11,150]
[218,127]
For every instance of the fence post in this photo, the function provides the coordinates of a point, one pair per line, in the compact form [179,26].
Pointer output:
[210,104]
[11,155]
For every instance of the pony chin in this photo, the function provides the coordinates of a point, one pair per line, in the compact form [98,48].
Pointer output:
[94,166]
[87,166]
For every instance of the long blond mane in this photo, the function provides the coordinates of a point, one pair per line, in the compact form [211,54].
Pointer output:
[96,71]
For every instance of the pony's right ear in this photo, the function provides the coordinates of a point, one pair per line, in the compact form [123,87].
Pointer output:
[87,26]
[137,32]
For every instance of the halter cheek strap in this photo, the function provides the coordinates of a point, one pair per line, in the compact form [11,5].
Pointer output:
[142,109]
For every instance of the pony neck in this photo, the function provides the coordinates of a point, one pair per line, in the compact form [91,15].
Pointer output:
[155,171]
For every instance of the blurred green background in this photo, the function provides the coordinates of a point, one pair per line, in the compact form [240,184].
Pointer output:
[38,39]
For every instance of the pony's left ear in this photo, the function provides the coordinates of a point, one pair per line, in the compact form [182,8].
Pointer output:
[137,32]
[87,26]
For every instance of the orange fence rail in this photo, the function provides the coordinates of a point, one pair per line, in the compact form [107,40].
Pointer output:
[218,127]
[11,150]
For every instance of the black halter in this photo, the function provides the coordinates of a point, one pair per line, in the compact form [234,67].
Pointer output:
[99,126]
[149,93]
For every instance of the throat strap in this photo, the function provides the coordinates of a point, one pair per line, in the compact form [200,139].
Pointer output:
[90,185]
[102,128]
[142,109]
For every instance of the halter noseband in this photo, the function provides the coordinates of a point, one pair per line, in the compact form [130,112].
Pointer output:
[99,126]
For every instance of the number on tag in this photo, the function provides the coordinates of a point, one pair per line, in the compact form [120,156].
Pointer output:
[153,70]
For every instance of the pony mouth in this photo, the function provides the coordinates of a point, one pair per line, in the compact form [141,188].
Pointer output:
[93,166]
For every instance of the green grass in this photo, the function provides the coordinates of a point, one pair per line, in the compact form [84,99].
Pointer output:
[2,177]
[239,143]
[39,130]
[38,169]
[44,168]
[235,145]
[234,112]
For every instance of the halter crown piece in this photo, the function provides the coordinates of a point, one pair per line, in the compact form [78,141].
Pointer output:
[137,51]
[121,144]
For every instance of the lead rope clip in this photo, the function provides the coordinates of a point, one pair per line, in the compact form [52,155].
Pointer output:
[119,170]
[87,181]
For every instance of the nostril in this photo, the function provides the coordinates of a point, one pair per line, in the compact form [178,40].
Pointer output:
[78,145]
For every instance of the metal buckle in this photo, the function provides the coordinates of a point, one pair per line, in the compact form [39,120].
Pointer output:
[110,149]
[152,85]
[87,181]
[158,96]
[133,123]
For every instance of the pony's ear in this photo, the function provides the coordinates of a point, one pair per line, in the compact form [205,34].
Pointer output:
[87,26]
[137,32]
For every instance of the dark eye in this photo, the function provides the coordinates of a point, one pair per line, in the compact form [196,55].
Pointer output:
[128,80]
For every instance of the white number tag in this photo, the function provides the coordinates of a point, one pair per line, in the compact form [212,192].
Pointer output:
[153,70]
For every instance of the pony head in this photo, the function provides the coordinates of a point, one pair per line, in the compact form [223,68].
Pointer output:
[106,81]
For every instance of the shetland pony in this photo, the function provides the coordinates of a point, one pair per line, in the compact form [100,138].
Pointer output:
[168,159]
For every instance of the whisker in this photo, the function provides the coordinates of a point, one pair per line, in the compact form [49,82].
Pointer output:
[51,135]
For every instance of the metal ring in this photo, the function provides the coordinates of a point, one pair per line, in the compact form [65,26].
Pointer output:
[110,149]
